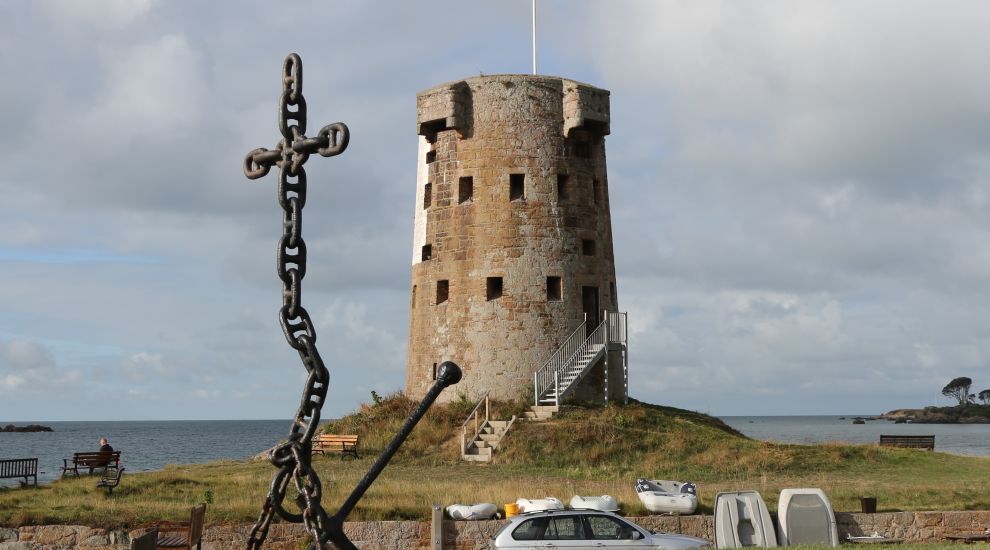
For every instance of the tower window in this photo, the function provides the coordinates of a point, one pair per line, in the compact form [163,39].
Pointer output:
[427,195]
[553,289]
[431,156]
[427,252]
[582,149]
[611,289]
[443,290]
[588,247]
[517,186]
[434,371]
[465,189]
[412,301]
[561,187]
[493,288]
[596,189]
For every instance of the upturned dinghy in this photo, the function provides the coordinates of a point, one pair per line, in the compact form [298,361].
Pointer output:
[805,516]
[536,505]
[742,519]
[663,496]
[604,503]
[484,510]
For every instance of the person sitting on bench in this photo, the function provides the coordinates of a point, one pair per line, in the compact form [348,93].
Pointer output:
[105,445]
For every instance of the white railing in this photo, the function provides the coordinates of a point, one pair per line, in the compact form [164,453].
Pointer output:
[612,329]
[543,379]
[558,371]
[617,323]
[478,423]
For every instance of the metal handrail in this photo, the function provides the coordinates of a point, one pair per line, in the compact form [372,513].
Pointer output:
[477,427]
[543,378]
[555,369]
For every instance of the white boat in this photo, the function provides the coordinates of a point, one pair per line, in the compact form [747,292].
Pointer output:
[536,505]
[484,510]
[667,497]
[604,503]
[805,516]
[742,519]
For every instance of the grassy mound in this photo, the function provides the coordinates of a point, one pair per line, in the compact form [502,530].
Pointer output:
[584,450]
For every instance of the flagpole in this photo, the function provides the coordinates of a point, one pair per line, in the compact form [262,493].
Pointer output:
[534,36]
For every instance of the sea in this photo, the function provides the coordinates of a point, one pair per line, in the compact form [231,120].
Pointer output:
[151,445]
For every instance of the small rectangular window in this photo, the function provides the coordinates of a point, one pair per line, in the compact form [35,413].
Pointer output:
[434,371]
[427,252]
[588,247]
[493,288]
[553,289]
[465,189]
[596,190]
[431,156]
[412,301]
[427,195]
[517,186]
[561,187]
[582,149]
[443,289]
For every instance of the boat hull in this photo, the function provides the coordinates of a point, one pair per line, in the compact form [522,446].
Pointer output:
[604,503]
[742,519]
[484,510]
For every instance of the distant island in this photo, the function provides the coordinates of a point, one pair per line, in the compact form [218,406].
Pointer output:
[968,411]
[940,415]
[28,428]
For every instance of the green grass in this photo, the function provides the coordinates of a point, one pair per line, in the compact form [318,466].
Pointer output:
[584,450]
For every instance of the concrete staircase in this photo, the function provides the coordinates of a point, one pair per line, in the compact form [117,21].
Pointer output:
[539,413]
[486,440]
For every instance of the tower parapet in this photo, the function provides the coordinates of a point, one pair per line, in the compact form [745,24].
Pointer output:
[513,239]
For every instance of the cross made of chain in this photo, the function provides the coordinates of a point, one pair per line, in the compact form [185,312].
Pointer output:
[293,457]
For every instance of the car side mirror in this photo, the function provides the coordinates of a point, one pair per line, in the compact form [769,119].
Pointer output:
[636,535]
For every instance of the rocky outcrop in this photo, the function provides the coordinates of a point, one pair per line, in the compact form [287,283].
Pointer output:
[28,428]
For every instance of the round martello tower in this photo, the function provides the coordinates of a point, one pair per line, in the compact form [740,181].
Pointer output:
[512,247]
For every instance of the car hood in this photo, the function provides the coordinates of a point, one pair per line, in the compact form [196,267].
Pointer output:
[678,541]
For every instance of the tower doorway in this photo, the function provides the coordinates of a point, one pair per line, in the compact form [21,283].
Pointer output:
[589,303]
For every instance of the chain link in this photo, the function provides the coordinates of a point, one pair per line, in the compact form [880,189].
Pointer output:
[293,458]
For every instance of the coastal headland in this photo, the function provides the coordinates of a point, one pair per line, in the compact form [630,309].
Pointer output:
[584,450]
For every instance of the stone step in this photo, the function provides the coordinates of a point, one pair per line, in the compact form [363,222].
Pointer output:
[479,448]
[544,408]
[498,423]
[476,458]
[489,438]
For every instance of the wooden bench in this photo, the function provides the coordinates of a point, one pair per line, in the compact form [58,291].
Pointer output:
[183,536]
[94,460]
[343,444]
[19,467]
[109,481]
[910,441]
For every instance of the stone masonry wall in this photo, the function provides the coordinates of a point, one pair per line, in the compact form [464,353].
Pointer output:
[920,527]
[487,130]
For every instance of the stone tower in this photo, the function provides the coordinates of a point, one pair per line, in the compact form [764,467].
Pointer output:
[513,236]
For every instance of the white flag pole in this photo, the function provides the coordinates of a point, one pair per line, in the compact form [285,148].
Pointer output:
[534,36]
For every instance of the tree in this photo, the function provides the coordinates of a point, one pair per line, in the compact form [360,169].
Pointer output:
[958,389]
[985,397]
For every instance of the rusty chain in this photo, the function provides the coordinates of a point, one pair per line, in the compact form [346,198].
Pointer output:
[293,457]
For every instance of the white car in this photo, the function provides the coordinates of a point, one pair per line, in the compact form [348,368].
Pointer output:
[576,529]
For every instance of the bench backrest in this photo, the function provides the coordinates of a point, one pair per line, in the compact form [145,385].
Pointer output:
[920,441]
[18,467]
[147,541]
[334,438]
[196,518]
[96,457]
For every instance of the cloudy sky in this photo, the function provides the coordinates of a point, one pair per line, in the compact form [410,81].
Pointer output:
[800,195]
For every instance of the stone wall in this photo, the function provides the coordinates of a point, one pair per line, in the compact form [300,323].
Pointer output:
[511,184]
[918,527]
